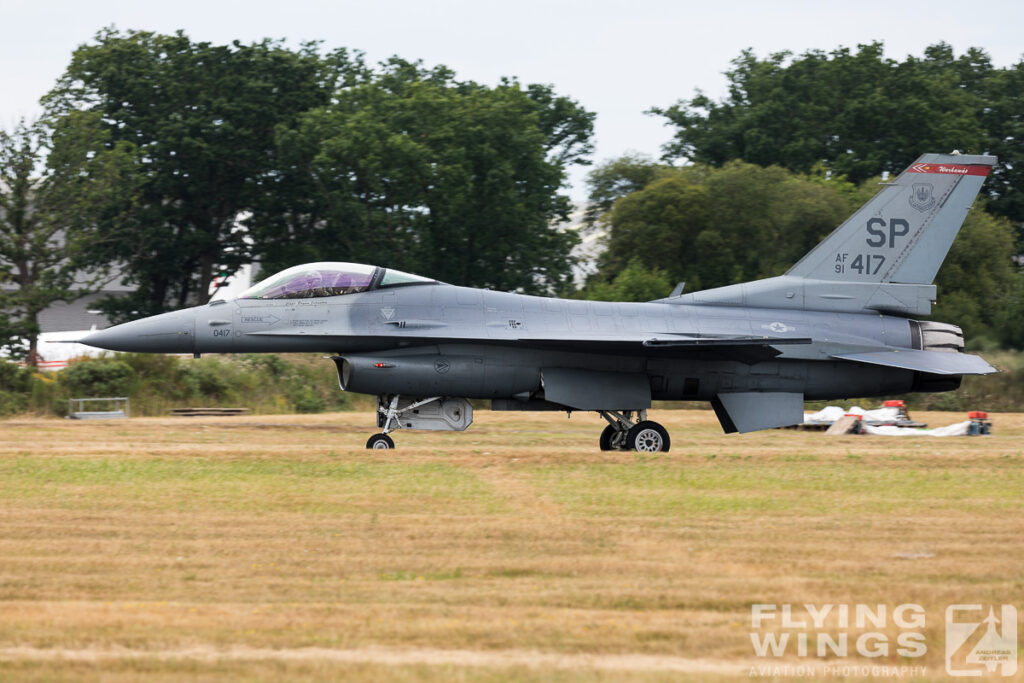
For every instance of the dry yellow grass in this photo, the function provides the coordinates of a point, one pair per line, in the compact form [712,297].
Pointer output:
[263,546]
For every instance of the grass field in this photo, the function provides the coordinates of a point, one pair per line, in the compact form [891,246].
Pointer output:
[270,546]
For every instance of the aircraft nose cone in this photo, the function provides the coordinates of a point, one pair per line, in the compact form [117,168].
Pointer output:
[165,333]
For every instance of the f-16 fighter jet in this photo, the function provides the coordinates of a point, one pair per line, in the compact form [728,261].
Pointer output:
[840,323]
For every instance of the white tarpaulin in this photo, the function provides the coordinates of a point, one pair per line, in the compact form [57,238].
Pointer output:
[958,429]
[830,414]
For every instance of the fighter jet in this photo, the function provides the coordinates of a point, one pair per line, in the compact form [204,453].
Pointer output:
[840,323]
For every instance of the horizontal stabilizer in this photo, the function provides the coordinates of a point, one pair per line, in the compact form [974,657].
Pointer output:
[933,362]
[749,411]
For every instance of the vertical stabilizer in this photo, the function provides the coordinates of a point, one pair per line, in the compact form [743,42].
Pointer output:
[884,257]
[903,233]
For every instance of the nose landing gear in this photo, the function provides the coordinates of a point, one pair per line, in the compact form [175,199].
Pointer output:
[380,442]
[622,434]
[434,413]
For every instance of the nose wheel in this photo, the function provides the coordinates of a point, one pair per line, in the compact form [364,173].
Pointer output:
[380,442]
[623,434]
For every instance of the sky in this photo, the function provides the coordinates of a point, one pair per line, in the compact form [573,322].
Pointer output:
[617,58]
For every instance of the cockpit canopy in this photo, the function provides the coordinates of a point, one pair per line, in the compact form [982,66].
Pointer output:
[329,279]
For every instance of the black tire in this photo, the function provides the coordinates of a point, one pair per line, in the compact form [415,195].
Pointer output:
[648,437]
[606,438]
[380,442]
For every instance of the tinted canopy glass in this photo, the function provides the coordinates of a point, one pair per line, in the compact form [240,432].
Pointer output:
[314,280]
[395,278]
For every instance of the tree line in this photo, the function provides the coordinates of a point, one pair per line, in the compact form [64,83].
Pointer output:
[187,159]
[860,114]
[162,162]
[712,226]
[794,147]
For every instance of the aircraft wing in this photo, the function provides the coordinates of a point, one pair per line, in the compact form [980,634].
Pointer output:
[933,362]
[741,348]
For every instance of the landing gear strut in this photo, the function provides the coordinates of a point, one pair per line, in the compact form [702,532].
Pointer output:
[623,434]
[434,413]
[388,414]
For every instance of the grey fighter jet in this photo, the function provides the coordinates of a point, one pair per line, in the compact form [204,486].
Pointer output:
[839,324]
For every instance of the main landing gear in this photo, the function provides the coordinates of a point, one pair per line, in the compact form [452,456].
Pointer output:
[623,434]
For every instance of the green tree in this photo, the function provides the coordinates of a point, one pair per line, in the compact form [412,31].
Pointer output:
[858,111]
[977,282]
[106,377]
[715,226]
[55,196]
[1002,115]
[202,117]
[617,178]
[858,114]
[410,168]
[636,282]
[15,387]
[1009,318]
[656,226]
[861,114]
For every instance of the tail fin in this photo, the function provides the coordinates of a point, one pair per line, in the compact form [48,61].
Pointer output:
[885,256]
[904,232]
